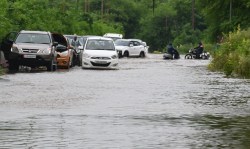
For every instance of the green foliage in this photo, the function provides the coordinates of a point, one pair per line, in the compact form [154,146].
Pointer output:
[2,71]
[220,19]
[184,48]
[233,56]
[170,22]
[5,24]
[188,36]
[156,29]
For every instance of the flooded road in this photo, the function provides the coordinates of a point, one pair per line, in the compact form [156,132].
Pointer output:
[149,103]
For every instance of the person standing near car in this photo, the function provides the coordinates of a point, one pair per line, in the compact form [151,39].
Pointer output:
[75,42]
[76,56]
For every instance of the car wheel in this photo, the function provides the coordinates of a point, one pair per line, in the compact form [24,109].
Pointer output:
[188,56]
[142,54]
[13,65]
[126,54]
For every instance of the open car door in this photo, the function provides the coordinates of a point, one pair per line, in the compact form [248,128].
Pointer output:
[7,42]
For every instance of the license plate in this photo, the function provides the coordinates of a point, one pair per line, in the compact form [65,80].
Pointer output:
[101,62]
[29,56]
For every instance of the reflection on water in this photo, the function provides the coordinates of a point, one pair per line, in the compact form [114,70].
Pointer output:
[223,132]
[149,103]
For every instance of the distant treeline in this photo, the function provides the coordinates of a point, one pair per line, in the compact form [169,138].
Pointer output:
[158,22]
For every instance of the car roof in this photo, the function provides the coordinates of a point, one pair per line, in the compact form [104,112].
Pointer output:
[136,40]
[99,37]
[129,40]
[34,32]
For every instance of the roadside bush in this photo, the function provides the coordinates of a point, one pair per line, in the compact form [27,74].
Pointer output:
[233,55]
[1,70]
[183,49]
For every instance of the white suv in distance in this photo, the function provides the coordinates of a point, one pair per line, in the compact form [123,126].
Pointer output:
[113,36]
[130,47]
[99,52]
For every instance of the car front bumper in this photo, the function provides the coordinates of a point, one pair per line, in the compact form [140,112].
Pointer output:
[100,64]
[31,60]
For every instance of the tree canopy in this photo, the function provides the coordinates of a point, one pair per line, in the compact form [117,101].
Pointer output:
[158,22]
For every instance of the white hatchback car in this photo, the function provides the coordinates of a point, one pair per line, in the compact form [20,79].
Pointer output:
[130,47]
[99,52]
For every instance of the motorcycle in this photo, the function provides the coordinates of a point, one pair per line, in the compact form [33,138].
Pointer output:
[176,55]
[192,55]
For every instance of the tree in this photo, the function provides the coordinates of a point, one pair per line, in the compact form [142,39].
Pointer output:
[221,19]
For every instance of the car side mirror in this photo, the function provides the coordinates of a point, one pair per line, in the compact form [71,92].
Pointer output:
[131,45]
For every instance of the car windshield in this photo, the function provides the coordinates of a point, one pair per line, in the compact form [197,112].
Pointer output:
[122,43]
[33,38]
[98,44]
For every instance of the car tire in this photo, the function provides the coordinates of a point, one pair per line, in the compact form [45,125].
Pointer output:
[188,56]
[126,54]
[142,54]
[13,66]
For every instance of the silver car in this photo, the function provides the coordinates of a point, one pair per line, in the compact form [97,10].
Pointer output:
[35,48]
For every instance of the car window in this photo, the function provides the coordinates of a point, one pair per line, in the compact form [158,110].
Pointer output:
[121,43]
[136,43]
[98,44]
[33,38]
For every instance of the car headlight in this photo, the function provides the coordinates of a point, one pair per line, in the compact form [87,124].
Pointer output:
[114,56]
[85,55]
[14,49]
[46,51]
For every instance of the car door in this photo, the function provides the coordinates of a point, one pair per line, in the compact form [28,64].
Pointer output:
[7,43]
[131,48]
[137,48]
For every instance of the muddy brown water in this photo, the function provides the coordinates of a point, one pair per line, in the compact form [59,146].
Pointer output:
[147,104]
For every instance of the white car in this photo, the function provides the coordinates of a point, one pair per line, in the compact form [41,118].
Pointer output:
[130,47]
[99,52]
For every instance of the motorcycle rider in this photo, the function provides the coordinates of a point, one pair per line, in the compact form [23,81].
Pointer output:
[199,50]
[171,50]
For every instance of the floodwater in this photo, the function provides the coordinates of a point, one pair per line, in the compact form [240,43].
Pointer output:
[147,104]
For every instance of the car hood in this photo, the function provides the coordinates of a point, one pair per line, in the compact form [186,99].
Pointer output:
[31,46]
[105,53]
